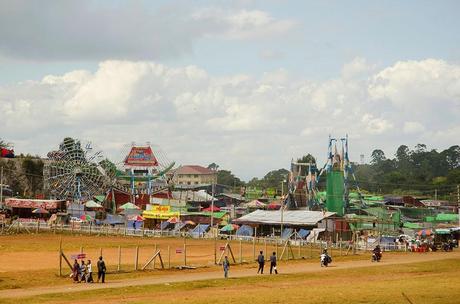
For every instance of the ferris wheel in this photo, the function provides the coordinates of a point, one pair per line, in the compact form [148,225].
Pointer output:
[77,171]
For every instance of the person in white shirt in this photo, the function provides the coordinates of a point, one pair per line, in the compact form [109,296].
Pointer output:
[89,269]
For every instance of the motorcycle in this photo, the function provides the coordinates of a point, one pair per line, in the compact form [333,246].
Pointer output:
[325,260]
[376,257]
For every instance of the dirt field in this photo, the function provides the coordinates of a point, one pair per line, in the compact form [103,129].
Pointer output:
[29,268]
[26,252]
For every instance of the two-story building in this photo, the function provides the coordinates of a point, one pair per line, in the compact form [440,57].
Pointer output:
[195,175]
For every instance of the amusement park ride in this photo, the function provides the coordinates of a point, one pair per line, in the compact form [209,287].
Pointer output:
[77,172]
[145,168]
[303,190]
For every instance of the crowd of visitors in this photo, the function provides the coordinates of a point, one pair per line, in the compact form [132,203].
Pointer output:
[83,272]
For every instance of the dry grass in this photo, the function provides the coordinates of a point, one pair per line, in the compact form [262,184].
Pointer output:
[435,282]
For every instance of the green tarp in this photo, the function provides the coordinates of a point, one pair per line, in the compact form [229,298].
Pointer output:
[446,217]
[412,225]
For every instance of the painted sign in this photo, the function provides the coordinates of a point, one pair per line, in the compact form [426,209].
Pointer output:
[78,256]
[141,157]
[161,209]
[222,248]
[178,250]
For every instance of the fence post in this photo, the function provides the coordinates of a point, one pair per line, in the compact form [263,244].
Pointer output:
[169,257]
[265,248]
[241,252]
[254,248]
[119,258]
[154,251]
[60,257]
[136,258]
[185,251]
[215,249]
[340,246]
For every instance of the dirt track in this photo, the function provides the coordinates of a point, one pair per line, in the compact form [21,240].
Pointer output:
[235,273]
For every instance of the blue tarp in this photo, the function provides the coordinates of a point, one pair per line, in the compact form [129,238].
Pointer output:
[114,220]
[138,225]
[179,226]
[164,225]
[199,230]
[303,233]
[245,230]
[286,233]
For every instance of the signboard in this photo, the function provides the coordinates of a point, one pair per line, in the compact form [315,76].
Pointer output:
[222,248]
[141,157]
[178,250]
[32,203]
[161,209]
[78,256]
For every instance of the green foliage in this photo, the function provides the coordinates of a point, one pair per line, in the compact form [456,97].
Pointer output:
[272,179]
[418,171]
[226,177]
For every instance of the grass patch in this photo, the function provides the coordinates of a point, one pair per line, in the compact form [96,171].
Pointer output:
[434,282]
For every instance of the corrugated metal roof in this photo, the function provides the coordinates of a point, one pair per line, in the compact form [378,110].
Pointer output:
[290,217]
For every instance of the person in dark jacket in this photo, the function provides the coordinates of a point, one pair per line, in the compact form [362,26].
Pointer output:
[75,271]
[261,261]
[101,269]
[273,263]
[226,266]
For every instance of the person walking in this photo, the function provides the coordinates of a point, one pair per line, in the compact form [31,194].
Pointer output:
[89,276]
[261,261]
[226,266]
[83,271]
[273,263]
[101,270]
[75,271]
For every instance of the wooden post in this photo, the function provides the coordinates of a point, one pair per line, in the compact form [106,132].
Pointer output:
[265,248]
[81,249]
[241,252]
[340,246]
[100,251]
[215,250]
[299,249]
[60,257]
[276,247]
[119,258]
[185,251]
[169,257]
[136,258]
[254,248]
[154,251]
[38,225]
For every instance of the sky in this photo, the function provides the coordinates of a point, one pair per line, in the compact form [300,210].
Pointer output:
[248,85]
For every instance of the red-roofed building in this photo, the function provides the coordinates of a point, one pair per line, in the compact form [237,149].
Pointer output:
[195,175]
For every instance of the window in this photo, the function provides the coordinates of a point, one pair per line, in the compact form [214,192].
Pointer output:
[188,183]
[196,176]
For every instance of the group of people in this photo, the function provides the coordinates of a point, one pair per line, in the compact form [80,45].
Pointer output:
[260,260]
[83,272]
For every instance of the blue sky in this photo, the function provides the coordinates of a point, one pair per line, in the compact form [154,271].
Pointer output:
[347,66]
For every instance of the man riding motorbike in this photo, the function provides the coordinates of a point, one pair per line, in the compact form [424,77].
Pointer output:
[325,258]
[376,254]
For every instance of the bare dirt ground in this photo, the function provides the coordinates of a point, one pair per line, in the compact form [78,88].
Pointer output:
[236,272]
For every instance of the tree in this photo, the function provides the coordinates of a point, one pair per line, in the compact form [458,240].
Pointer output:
[377,156]
[213,166]
[226,177]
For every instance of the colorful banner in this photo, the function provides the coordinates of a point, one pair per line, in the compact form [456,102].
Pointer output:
[141,157]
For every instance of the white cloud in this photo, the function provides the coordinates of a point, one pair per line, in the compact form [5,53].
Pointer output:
[247,124]
[71,30]
[411,127]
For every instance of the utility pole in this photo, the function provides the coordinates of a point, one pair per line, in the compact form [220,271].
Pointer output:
[1,186]
[458,204]
[212,198]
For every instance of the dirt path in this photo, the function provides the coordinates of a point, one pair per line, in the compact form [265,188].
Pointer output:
[235,273]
